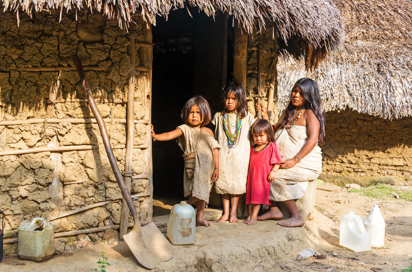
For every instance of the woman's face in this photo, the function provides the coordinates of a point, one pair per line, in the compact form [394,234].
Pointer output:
[297,98]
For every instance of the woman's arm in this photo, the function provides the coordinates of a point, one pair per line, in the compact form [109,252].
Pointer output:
[167,135]
[312,127]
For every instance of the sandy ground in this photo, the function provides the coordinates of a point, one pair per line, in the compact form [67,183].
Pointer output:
[263,247]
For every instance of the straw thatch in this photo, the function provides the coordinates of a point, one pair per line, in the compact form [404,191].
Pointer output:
[306,27]
[372,72]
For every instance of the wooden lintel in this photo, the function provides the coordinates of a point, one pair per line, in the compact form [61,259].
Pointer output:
[143,44]
[68,120]
[69,68]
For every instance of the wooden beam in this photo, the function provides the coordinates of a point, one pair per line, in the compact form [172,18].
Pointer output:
[259,77]
[60,149]
[273,85]
[67,120]
[69,68]
[240,55]
[124,218]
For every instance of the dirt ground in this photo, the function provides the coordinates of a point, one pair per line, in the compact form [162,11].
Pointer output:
[263,247]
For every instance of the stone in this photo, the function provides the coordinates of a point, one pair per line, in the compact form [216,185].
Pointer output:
[110,234]
[115,210]
[39,196]
[59,246]
[29,207]
[7,168]
[94,237]
[88,32]
[44,177]
[352,186]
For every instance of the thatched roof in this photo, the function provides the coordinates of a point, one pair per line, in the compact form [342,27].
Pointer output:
[372,72]
[305,27]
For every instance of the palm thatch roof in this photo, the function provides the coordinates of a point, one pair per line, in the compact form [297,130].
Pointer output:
[372,72]
[305,27]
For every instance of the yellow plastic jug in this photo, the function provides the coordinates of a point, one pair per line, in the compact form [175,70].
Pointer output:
[36,240]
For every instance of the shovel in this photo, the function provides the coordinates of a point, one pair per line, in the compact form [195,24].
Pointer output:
[147,243]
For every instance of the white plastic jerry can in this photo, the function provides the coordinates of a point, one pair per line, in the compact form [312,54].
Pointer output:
[375,226]
[182,224]
[353,234]
[36,240]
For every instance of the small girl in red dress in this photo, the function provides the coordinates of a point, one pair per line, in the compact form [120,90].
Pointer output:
[264,156]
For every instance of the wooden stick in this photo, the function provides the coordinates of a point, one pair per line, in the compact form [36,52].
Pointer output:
[124,218]
[255,72]
[68,120]
[68,68]
[240,55]
[143,44]
[85,101]
[60,149]
[259,78]
[140,177]
[92,206]
[273,81]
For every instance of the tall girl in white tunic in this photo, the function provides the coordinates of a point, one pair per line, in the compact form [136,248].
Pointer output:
[232,131]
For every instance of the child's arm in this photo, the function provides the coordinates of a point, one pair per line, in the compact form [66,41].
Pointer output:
[215,175]
[167,135]
[272,173]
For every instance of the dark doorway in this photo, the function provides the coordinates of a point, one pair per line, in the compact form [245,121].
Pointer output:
[189,58]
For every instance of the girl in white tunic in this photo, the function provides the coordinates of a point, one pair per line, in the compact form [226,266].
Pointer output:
[194,137]
[232,131]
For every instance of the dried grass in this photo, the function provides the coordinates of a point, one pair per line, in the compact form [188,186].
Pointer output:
[372,72]
[306,27]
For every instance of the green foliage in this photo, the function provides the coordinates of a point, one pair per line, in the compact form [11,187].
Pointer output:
[384,191]
[102,263]
[407,269]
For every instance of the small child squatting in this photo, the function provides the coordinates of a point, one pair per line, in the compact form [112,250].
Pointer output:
[264,158]
[193,136]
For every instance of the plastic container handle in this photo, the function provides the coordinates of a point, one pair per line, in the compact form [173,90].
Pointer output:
[359,226]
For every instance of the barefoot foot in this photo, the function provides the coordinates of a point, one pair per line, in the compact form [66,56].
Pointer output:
[233,219]
[203,223]
[223,218]
[294,221]
[252,221]
[247,220]
[273,213]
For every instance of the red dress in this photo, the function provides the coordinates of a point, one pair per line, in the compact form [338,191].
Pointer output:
[260,164]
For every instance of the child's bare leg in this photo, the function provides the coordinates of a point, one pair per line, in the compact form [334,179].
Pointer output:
[250,214]
[253,218]
[296,219]
[273,213]
[200,205]
[234,200]
[226,208]
[192,200]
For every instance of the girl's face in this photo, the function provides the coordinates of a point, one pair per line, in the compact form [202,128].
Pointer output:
[231,102]
[260,138]
[195,118]
[297,98]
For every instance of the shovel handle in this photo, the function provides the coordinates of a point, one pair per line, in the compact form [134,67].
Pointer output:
[126,194]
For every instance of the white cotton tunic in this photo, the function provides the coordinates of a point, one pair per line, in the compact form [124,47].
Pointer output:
[292,183]
[233,162]
[200,184]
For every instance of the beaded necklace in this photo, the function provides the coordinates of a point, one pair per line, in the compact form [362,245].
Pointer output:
[297,117]
[232,138]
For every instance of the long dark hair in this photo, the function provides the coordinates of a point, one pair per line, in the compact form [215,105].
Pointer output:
[262,125]
[203,106]
[239,92]
[310,91]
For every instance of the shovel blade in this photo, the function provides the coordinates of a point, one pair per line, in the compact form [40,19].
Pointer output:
[149,246]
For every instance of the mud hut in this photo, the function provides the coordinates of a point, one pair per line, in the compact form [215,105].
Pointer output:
[52,161]
[367,92]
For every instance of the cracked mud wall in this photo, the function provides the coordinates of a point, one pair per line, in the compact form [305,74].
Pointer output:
[363,145]
[48,183]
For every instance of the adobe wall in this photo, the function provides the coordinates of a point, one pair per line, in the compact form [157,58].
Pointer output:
[363,145]
[46,184]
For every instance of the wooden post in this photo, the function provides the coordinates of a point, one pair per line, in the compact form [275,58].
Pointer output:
[146,60]
[273,89]
[240,55]
[129,139]
[259,78]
